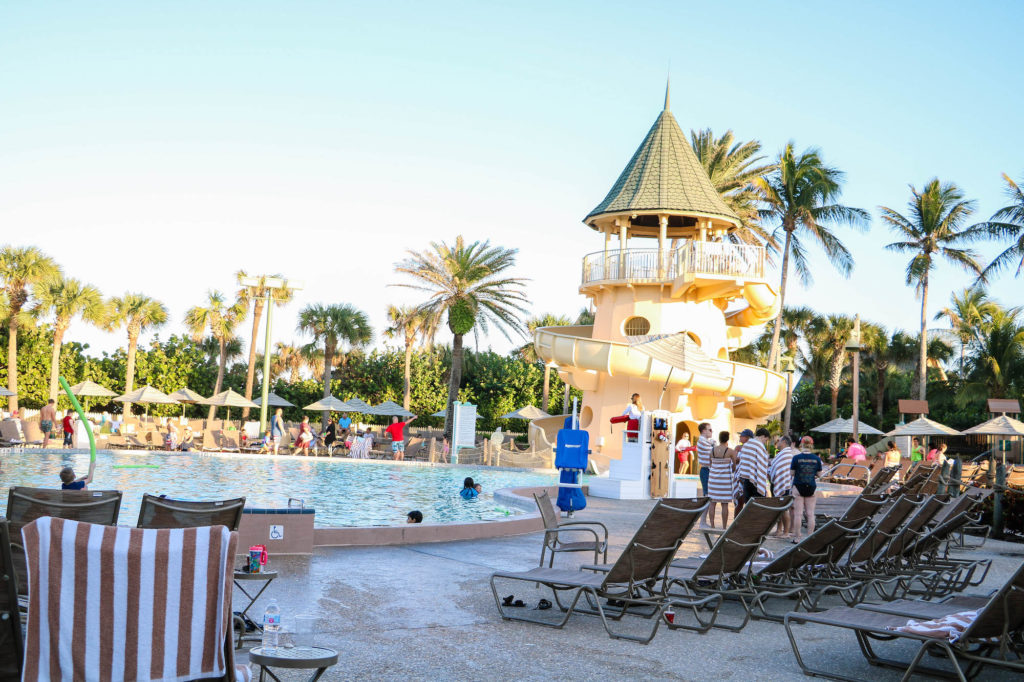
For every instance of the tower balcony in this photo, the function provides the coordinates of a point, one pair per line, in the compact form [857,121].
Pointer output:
[695,269]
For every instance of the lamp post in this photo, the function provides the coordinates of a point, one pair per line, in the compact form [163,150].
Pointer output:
[853,346]
[269,285]
[788,366]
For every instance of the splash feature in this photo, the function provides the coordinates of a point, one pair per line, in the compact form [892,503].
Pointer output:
[680,275]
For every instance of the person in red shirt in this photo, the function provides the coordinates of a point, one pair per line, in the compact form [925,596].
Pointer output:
[397,433]
[69,430]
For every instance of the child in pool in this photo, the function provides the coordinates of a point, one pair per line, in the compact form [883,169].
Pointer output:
[415,516]
[469,490]
[69,482]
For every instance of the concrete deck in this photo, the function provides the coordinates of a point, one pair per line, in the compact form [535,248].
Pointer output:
[426,612]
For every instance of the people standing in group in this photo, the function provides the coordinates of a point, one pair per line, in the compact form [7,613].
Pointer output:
[69,429]
[47,418]
[855,451]
[805,467]
[721,464]
[277,428]
[893,458]
[397,433]
[781,475]
[752,470]
[704,447]
[916,451]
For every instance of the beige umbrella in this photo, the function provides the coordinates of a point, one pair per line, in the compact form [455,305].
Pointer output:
[187,396]
[229,399]
[834,426]
[528,412]
[329,404]
[390,408]
[998,426]
[357,405]
[840,425]
[145,396]
[923,426]
[91,389]
[4,393]
[274,400]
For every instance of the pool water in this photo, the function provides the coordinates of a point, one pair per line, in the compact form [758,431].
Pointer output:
[343,492]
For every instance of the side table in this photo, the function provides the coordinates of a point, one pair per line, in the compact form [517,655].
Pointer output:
[267,577]
[315,658]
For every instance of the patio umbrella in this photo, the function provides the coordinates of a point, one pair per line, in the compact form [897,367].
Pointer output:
[329,404]
[443,413]
[187,396]
[91,388]
[229,399]
[357,405]
[841,425]
[998,426]
[678,351]
[389,408]
[528,412]
[274,400]
[923,426]
[146,395]
[837,425]
[5,393]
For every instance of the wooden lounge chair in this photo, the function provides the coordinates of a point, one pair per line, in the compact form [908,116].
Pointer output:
[554,527]
[12,647]
[991,638]
[160,512]
[643,563]
[227,441]
[10,434]
[880,481]
[132,618]
[33,433]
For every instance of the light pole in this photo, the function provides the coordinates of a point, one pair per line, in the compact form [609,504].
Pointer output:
[269,285]
[853,346]
[788,366]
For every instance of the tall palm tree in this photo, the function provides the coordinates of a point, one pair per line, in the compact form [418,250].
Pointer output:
[801,195]
[258,295]
[796,323]
[934,228]
[528,352]
[830,334]
[287,358]
[968,313]
[469,285]
[733,167]
[220,319]
[1008,223]
[67,299]
[997,360]
[138,313]
[21,269]
[407,322]
[336,326]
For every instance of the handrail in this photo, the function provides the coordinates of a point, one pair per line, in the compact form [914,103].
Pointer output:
[691,257]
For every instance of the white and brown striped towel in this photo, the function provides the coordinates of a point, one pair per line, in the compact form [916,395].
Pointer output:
[949,627]
[110,603]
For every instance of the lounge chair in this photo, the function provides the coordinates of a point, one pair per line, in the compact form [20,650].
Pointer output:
[841,470]
[132,618]
[227,441]
[880,481]
[160,512]
[33,432]
[990,638]
[12,647]
[629,582]
[554,527]
[10,434]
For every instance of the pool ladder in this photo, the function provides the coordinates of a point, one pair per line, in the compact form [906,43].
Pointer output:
[301,502]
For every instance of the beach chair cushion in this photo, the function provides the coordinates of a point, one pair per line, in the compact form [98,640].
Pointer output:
[123,603]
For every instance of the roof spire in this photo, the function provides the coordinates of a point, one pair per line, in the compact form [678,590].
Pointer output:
[668,82]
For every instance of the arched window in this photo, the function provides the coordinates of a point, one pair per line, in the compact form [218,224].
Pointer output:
[636,326]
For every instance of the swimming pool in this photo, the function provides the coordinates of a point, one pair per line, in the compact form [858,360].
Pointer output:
[344,492]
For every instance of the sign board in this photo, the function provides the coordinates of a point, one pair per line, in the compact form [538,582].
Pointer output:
[464,429]
[276,532]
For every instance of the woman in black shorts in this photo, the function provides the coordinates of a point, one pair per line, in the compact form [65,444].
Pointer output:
[806,466]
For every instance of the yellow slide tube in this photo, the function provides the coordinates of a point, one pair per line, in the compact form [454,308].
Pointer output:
[762,306]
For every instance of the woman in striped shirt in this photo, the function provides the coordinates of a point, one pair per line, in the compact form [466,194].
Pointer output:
[723,461]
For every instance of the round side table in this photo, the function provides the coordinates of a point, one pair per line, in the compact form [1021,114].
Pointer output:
[315,658]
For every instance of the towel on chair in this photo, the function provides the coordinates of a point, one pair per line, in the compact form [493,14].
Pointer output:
[949,627]
[116,603]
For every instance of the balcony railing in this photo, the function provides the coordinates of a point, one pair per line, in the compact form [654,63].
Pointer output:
[643,266]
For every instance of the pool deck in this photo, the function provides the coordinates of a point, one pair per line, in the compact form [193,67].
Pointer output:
[425,612]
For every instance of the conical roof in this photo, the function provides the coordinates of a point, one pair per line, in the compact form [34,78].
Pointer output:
[664,175]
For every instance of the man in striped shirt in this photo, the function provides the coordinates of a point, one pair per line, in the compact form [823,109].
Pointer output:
[753,467]
[705,444]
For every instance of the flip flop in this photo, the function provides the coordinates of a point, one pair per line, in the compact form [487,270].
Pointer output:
[507,601]
[518,602]
[544,605]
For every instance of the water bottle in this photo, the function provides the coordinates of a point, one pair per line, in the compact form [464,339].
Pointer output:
[271,627]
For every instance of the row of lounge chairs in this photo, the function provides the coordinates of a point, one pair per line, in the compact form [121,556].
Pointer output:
[894,547]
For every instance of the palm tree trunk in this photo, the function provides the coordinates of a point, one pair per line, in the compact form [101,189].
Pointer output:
[922,363]
[257,313]
[220,375]
[58,341]
[328,370]
[12,363]
[835,413]
[454,380]
[880,393]
[406,397]
[773,352]
[129,374]
[547,388]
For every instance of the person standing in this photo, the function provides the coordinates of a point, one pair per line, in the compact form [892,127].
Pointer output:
[47,417]
[805,466]
[277,428]
[722,461]
[683,449]
[704,447]
[916,451]
[753,466]
[69,429]
[855,451]
[781,476]
[397,433]
[171,439]
[633,412]
[894,458]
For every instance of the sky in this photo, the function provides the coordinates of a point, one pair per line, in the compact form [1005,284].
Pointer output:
[161,147]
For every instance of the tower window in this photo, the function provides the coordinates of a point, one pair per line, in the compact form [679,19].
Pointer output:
[636,326]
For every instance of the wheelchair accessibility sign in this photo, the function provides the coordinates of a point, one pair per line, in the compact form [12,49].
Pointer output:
[276,532]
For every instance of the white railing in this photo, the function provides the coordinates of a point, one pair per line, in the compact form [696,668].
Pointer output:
[644,265]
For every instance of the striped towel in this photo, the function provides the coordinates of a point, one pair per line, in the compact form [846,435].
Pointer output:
[754,465]
[949,627]
[115,603]
[780,472]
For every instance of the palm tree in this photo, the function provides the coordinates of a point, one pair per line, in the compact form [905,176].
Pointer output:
[469,286]
[287,358]
[407,322]
[21,269]
[796,323]
[585,318]
[1008,222]
[968,313]
[67,299]
[733,167]
[221,319]
[528,352]
[258,295]
[138,313]
[335,326]
[934,228]
[801,194]
[829,333]
[997,360]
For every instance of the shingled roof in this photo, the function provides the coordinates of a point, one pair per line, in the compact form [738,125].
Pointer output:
[664,175]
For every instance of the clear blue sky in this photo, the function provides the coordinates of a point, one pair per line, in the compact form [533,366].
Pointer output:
[162,146]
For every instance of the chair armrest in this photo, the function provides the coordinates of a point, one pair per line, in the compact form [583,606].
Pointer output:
[585,523]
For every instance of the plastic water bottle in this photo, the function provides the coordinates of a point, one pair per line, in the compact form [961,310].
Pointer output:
[271,627]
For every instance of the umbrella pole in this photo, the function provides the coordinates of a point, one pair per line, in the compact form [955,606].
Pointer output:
[665,387]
